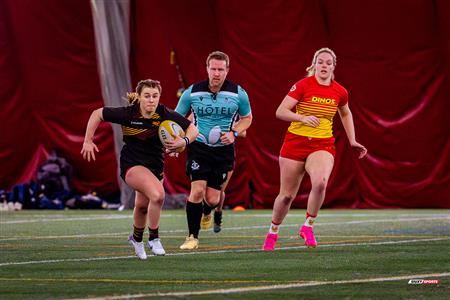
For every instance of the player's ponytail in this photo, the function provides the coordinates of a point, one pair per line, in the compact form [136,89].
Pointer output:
[132,97]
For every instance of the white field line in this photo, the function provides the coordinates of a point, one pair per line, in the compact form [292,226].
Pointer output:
[271,287]
[62,218]
[221,251]
[347,222]
[66,219]
[230,228]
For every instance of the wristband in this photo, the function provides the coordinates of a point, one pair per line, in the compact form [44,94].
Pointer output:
[186,139]
[235,133]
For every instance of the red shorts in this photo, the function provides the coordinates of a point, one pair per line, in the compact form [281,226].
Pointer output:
[298,147]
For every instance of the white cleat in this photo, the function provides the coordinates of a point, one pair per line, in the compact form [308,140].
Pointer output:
[156,247]
[139,248]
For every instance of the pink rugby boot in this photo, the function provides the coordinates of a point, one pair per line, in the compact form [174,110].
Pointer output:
[307,234]
[270,241]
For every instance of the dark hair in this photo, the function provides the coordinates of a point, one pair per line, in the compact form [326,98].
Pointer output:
[219,56]
[150,83]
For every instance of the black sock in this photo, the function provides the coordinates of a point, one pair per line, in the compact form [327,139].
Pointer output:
[206,208]
[138,233]
[153,234]
[218,217]
[194,216]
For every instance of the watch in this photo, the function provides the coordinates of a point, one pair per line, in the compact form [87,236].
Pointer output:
[235,133]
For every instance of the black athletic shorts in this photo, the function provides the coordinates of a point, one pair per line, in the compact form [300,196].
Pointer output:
[209,163]
[125,164]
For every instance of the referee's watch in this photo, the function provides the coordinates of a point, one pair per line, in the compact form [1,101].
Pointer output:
[235,133]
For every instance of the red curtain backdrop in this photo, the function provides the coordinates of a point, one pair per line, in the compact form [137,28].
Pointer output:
[393,57]
[49,85]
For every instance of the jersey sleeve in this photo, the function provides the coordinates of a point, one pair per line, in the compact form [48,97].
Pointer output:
[118,115]
[244,103]
[297,90]
[344,98]
[184,104]
[170,114]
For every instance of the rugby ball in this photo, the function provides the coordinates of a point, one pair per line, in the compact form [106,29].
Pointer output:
[214,135]
[168,130]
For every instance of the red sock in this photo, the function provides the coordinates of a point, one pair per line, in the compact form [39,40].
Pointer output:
[308,215]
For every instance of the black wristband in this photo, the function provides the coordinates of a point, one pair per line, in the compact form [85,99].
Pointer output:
[186,139]
[235,133]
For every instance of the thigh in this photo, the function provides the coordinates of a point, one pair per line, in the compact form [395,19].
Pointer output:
[212,196]
[291,175]
[144,181]
[198,190]
[319,164]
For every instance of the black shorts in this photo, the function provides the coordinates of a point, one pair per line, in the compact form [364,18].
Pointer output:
[126,164]
[209,163]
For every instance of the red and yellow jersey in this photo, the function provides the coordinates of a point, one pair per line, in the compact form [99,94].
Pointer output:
[317,100]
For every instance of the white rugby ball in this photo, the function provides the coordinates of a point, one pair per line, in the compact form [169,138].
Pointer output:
[168,130]
[214,135]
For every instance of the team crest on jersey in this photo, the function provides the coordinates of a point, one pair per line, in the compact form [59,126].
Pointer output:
[293,88]
[195,165]
[155,116]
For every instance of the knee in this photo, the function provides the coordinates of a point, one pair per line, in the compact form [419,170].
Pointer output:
[286,199]
[197,195]
[157,198]
[141,208]
[213,202]
[319,184]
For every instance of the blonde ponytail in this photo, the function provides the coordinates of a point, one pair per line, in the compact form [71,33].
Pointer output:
[132,97]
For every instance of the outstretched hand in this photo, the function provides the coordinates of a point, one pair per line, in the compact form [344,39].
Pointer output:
[360,148]
[88,150]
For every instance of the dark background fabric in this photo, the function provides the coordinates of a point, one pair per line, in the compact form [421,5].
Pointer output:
[392,56]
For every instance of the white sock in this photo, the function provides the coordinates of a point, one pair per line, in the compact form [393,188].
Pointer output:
[309,221]
[274,228]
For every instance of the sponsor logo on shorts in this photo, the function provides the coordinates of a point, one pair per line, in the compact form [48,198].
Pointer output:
[195,165]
